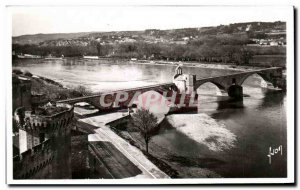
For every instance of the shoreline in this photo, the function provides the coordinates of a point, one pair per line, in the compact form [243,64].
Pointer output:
[207,65]
[104,132]
[197,65]
[53,90]
[172,164]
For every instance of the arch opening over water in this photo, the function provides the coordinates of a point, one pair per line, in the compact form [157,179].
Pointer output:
[210,88]
[256,80]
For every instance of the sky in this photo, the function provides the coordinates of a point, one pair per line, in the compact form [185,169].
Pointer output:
[33,20]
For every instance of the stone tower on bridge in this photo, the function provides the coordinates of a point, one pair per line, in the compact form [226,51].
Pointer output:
[185,82]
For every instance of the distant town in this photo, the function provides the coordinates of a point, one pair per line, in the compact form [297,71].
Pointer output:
[240,43]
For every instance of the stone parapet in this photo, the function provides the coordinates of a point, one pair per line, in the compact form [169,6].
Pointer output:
[29,163]
[46,123]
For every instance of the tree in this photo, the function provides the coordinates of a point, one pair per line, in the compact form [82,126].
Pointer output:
[244,56]
[83,91]
[98,49]
[145,122]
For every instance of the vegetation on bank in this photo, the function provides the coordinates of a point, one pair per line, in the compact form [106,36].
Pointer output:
[145,122]
[125,131]
[235,43]
[53,90]
[219,49]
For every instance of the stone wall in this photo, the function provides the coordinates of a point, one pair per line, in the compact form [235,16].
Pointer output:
[36,163]
[47,158]
[52,124]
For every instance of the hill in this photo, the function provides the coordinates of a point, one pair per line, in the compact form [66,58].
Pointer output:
[37,38]
[254,29]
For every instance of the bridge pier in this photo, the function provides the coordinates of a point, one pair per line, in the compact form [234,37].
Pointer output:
[235,92]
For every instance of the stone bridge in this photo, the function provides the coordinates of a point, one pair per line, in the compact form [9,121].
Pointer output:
[122,98]
[230,83]
[182,84]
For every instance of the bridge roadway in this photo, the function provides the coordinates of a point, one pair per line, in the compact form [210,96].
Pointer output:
[156,87]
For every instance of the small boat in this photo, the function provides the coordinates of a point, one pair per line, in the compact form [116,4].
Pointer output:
[90,57]
[274,88]
[29,56]
[21,56]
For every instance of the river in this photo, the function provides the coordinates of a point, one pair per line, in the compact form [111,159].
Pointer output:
[230,140]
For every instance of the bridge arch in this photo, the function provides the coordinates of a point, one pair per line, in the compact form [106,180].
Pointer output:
[263,77]
[219,89]
[220,86]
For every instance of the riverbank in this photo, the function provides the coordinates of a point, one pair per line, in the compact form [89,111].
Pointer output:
[103,133]
[162,165]
[207,65]
[171,163]
[52,89]
[210,65]
[201,130]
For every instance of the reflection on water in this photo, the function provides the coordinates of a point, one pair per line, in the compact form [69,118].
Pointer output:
[257,123]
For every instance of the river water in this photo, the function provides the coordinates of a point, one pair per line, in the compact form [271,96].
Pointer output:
[228,139]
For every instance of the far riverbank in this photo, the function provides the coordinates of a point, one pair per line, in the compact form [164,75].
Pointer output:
[208,65]
[198,65]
